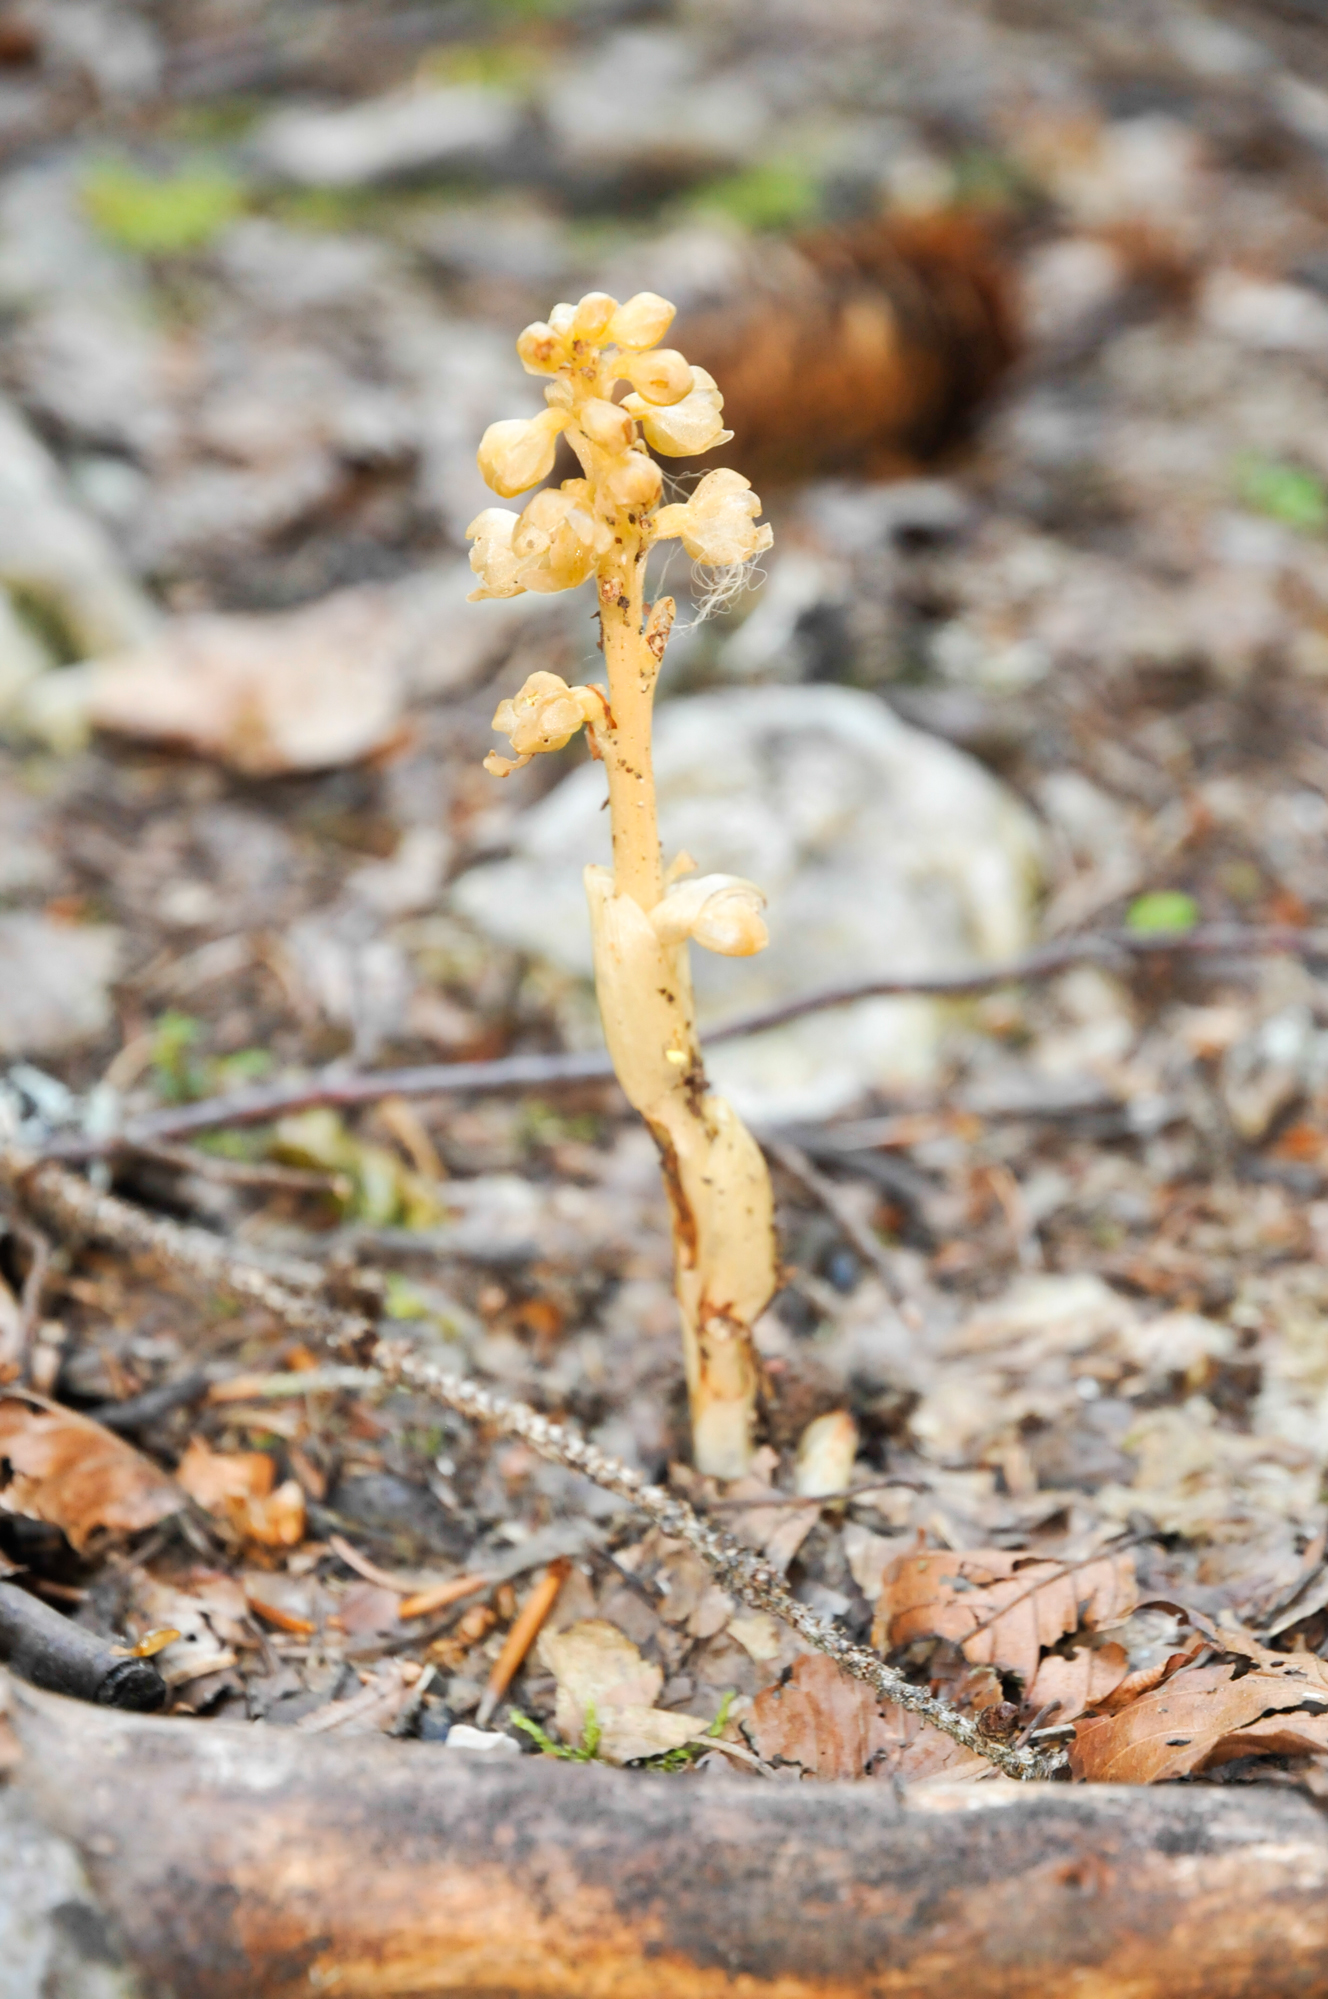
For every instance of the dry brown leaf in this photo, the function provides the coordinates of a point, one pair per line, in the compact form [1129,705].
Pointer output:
[599,1670]
[238,1486]
[1085,1679]
[1001,1607]
[820,1721]
[1146,1678]
[69,1471]
[1202,1716]
[916,1753]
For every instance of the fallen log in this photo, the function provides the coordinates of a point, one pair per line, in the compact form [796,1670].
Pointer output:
[251,1863]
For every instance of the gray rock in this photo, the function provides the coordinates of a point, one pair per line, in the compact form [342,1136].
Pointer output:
[386,138]
[882,852]
[55,983]
[55,1942]
[53,551]
[492,241]
[649,102]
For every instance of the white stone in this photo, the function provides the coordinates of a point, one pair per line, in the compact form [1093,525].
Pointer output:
[882,850]
[408,131]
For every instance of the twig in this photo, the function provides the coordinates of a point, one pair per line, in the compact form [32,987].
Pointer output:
[237,1172]
[799,1167]
[739,1570]
[51,1651]
[137,1411]
[344,1089]
[522,1636]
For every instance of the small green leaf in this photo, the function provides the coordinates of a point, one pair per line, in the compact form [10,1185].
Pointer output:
[160,215]
[778,195]
[1288,493]
[1162,909]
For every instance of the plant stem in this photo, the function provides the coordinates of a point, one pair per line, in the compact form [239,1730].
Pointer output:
[715,1176]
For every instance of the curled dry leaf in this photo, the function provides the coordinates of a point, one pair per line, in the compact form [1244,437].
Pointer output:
[1206,1715]
[1089,1676]
[240,1487]
[598,1669]
[1000,1607]
[69,1471]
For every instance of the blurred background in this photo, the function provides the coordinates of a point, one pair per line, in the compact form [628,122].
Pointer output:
[1021,311]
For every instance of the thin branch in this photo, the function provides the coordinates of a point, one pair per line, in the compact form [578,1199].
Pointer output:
[52,1651]
[856,1232]
[345,1089]
[738,1569]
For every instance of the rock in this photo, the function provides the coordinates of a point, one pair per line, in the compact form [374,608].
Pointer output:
[298,690]
[54,1938]
[492,240]
[52,551]
[648,103]
[882,852]
[387,138]
[54,994]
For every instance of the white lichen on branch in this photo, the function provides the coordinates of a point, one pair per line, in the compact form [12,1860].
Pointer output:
[604,525]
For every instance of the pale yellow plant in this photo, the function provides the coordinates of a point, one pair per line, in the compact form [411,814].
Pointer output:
[643,916]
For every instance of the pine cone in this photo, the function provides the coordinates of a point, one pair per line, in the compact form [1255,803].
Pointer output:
[867,349]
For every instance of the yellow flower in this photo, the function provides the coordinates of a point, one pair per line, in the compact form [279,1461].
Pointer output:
[720,912]
[558,539]
[516,454]
[689,426]
[717,525]
[661,377]
[492,558]
[545,715]
[642,322]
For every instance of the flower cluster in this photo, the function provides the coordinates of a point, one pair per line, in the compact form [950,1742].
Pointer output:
[568,532]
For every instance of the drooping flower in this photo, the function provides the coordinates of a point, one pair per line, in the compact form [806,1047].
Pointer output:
[492,558]
[686,427]
[720,912]
[517,453]
[558,539]
[545,715]
[717,525]
[642,322]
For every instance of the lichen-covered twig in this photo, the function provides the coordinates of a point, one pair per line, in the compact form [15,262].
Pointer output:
[69,1204]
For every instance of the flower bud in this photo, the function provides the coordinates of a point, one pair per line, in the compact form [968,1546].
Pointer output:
[594,316]
[644,319]
[826,1451]
[560,320]
[690,426]
[717,525]
[634,481]
[539,348]
[558,540]
[662,377]
[606,425]
[720,912]
[516,454]
[545,715]
[492,557]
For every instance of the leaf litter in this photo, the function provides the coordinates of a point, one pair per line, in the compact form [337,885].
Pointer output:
[1105,1216]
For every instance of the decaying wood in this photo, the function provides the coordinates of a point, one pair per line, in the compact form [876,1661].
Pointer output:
[53,1652]
[243,1861]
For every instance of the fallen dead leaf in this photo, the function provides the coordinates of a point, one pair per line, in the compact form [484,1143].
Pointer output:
[599,1670]
[1001,1607]
[1202,1716]
[300,690]
[1084,1679]
[819,1721]
[238,1486]
[69,1471]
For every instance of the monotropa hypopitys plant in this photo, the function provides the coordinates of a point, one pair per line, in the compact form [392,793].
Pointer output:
[644,916]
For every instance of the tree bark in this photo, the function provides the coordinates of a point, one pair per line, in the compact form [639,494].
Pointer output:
[249,1863]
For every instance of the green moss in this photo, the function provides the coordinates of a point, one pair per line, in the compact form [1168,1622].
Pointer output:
[777,195]
[1287,493]
[585,1752]
[160,215]
[1162,909]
